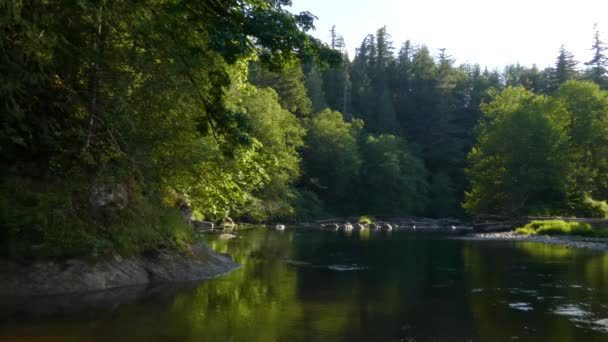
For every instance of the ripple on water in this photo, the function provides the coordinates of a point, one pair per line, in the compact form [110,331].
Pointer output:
[523,291]
[352,267]
[582,318]
[571,310]
[336,267]
[297,263]
[601,325]
[521,306]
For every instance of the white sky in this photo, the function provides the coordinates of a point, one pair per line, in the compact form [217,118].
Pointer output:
[492,33]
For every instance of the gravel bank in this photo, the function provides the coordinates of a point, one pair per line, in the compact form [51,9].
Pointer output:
[600,244]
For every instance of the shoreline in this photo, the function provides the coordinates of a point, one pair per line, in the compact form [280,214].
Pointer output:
[568,241]
[77,276]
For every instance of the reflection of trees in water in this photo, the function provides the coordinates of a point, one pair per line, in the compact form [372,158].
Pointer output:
[415,286]
[254,303]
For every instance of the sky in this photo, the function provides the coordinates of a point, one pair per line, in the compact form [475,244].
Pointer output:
[492,33]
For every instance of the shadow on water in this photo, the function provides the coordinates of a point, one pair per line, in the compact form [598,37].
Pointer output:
[305,285]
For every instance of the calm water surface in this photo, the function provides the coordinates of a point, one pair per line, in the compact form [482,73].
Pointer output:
[304,285]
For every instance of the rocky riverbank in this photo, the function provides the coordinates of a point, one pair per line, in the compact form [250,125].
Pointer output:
[600,244]
[79,276]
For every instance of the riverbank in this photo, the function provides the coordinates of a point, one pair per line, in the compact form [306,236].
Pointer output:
[80,276]
[570,241]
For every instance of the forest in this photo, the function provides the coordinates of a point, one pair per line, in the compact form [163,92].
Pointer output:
[116,114]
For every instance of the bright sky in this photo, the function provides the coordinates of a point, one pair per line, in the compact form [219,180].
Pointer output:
[492,33]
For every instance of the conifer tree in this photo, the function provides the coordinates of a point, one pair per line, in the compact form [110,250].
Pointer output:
[599,62]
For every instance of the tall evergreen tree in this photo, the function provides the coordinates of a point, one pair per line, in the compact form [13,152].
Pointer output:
[565,68]
[288,83]
[335,81]
[314,87]
[599,62]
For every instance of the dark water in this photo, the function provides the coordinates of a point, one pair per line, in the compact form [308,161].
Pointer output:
[317,286]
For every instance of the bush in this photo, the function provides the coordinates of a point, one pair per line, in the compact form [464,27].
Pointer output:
[308,206]
[559,227]
[590,207]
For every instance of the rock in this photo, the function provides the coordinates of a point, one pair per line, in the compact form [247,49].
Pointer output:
[386,226]
[202,225]
[186,211]
[227,236]
[228,223]
[359,226]
[374,226]
[109,196]
[330,226]
[347,226]
[78,276]
[279,227]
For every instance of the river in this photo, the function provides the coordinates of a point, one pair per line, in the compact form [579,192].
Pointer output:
[309,285]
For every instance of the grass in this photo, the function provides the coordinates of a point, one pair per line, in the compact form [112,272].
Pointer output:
[559,227]
[365,219]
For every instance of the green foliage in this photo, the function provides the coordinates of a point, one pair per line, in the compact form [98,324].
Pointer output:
[331,160]
[565,68]
[314,88]
[559,227]
[584,119]
[393,178]
[154,92]
[308,206]
[365,219]
[44,219]
[155,95]
[281,135]
[517,166]
[589,207]
[289,85]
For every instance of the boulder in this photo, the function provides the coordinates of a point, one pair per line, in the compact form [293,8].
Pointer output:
[109,196]
[228,223]
[330,226]
[202,225]
[227,236]
[186,210]
[386,226]
[79,275]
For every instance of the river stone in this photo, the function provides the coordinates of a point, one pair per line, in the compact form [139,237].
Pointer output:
[227,236]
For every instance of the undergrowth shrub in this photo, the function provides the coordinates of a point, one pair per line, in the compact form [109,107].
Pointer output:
[590,207]
[54,220]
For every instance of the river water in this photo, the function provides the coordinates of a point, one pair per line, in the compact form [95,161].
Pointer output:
[309,285]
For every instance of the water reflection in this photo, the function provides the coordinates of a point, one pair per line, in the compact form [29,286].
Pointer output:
[301,285]
[559,292]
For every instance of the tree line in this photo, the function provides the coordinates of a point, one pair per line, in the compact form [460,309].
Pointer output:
[443,115]
[115,114]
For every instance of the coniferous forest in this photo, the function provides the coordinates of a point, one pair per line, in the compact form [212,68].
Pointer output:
[117,114]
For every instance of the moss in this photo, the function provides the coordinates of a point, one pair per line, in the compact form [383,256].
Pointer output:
[559,227]
[365,219]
